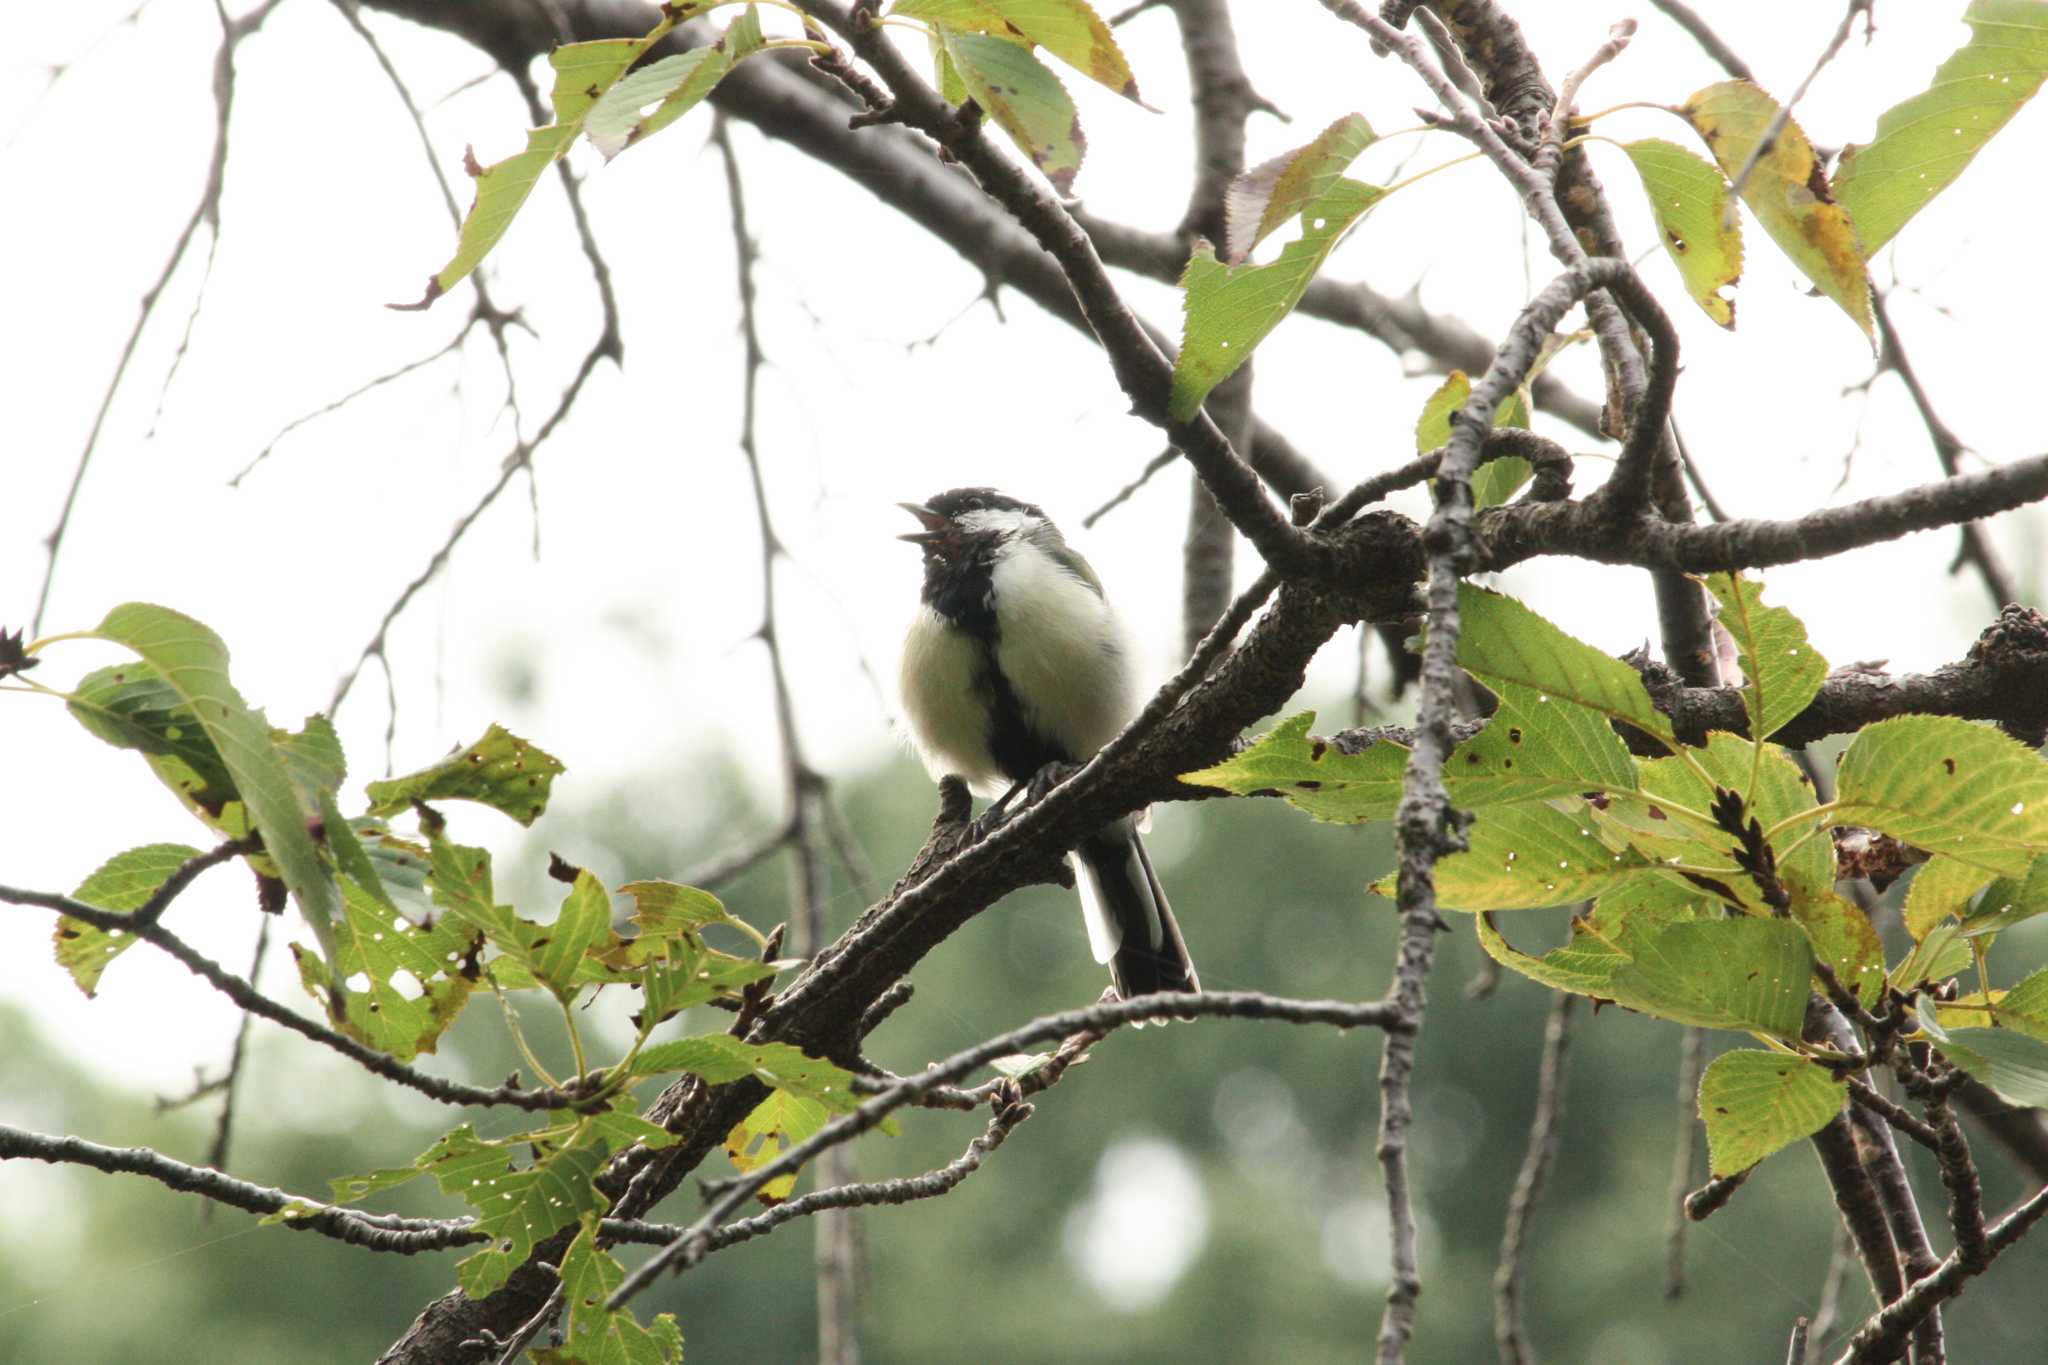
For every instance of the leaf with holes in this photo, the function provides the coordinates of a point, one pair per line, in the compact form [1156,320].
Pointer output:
[776,1124]
[1689,199]
[1950,787]
[1787,190]
[500,770]
[1781,670]
[517,1209]
[1536,746]
[1526,856]
[1755,1103]
[1232,308]
[719,1058]
[1330,785]
[1925,142]
[599,1335]
[1267,195]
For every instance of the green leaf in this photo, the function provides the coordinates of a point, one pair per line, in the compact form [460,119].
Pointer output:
[1231,309]
[1602,942]
[1690,201]
[132,706]
[719,1058]
[194,662]
[1531,855]
[416,979]
[500,770]
[1843,937]
[1755,1103]
[1924,143]
[1948,786]
[1264,197]
[1330,785]
[1941,887]
[666,909]
[516,1208]
[673,86]
[1068,29]
[1746,973]
[2010,900]
[1536,746]
[584,922]
[1501,639]
[1497,479]
[1024,98]
[1936,957]
[2010,1062]
[124,882]
[775,1125]
[1781,670]
[597,1334]
[1651,823]
[1787,191]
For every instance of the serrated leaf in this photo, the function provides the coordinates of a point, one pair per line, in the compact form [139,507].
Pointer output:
[598,1335]
[1940,887]
[416,980]
[1936,957]
[1330,785]
[1602,941]
[2009,1061]
[1745,973]
[1924,143]
[1262,198]
[194,662]
[1231,309]
[1781,670]
[1536,746]
[583,923]
[1950,787]
[1787,190]
[1068,29]
[1529,855]
[775,1125]
[1024,98]
[583,72]
[1501,639]
[1755,1103]
[1690,202]
[673,86]
[719,1058]
[1843,937]
[124,882]
[2009,901]
[666,909]
[500,770]
[516,1208]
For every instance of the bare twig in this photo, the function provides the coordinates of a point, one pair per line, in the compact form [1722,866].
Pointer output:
[1709,41]
[1544,1129]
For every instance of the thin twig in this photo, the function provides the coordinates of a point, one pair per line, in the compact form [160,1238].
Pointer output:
[1544,1129]
[1776,126]
[1709,41]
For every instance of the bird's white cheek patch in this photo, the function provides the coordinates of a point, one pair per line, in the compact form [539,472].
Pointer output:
[938,682]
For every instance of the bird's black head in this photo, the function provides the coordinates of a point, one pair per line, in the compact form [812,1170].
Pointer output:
[964,532]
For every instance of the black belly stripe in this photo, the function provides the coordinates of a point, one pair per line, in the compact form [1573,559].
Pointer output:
[963,600]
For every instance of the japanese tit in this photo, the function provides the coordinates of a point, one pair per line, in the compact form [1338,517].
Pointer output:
[1015,660]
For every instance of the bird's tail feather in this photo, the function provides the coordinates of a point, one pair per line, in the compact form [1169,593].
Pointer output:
[1130,925]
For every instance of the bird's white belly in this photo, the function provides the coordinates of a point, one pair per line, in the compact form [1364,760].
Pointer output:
[944,700]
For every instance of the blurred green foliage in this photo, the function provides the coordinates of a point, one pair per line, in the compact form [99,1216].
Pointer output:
[1275,1124]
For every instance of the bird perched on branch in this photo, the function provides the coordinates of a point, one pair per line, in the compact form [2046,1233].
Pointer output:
[1016,662]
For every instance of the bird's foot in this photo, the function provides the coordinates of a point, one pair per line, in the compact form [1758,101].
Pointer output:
[1020,797]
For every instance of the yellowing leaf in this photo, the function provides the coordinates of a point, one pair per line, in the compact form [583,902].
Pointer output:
[1950,787]
[1941,887]
[1787,190]
[1755,1103]
[124,882]
[1024,98]
[1068,29]
[1924,143]
[1530,855]
[1690,201]
[1231,309]
[775,1125]
[1267,195]
[1312,775]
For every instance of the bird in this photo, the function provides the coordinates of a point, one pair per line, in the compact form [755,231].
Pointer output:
[1016,661]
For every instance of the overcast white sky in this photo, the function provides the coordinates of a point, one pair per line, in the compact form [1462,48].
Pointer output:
[633,619]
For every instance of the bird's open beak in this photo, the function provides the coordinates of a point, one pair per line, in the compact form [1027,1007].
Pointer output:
[934,524]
